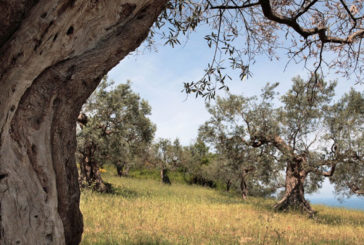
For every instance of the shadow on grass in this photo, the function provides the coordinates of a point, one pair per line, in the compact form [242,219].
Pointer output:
[126,193]
[339,220]
[141,240]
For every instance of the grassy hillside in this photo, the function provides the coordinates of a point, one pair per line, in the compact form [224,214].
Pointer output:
[143,211]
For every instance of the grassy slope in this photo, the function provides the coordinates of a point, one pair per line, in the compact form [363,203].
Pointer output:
[143,211]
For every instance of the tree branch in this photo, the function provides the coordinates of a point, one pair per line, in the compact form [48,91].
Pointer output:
[305,9]
[349,12]
[247,5]
[305,32]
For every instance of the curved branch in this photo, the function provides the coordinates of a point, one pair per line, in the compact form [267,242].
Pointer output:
[305,9]
[305,32]
[349,12]
[247,5]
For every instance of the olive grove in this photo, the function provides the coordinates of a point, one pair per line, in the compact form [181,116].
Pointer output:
[53,54]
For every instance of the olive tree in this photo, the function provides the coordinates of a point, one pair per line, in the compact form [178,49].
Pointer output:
[118,132]
[195,163]
[300,131]
[165,156]
[236,163]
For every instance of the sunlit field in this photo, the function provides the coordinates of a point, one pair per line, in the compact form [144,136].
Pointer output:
[144,211]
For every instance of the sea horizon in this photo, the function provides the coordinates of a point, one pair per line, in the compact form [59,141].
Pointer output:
[350,203]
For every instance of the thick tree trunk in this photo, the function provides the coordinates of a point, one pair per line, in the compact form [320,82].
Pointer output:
[90,175]
[294,197]
[164,176]
[53,54]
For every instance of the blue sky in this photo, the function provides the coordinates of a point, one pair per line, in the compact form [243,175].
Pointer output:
[158,77]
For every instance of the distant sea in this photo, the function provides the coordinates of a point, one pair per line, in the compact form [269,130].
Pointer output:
[351,203]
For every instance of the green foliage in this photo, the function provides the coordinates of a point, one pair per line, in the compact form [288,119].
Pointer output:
[307,129]
[225,132]
[345,120]
[118,124]
[166,155]
[318,34]
[195,162]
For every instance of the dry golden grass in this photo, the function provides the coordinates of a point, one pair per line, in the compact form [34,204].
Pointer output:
[147,212]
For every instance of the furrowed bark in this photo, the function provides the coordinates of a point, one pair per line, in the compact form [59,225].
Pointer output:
[294,196]
[90,175]
[53,54]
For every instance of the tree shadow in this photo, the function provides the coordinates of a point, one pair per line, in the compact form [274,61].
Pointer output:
[339,219]
[141,240]
[124,192]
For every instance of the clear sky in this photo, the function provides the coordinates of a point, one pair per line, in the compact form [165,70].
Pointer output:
[158,77]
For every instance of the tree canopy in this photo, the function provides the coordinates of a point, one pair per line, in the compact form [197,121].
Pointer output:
[308,137]
[322,34]
[118,127]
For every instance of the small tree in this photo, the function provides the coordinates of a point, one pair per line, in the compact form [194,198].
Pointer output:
[118,130]
[166,156]
[195,164]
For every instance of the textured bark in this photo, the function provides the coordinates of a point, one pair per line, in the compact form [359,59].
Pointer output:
[53,54]
[90,175]
[294,197]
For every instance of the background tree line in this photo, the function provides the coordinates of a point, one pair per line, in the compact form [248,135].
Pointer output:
[258,146]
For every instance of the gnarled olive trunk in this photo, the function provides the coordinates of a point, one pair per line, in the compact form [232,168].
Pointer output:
[53,54]
[90,175]
[294,196]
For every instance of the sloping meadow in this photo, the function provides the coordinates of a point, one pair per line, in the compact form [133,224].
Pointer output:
[144,211]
